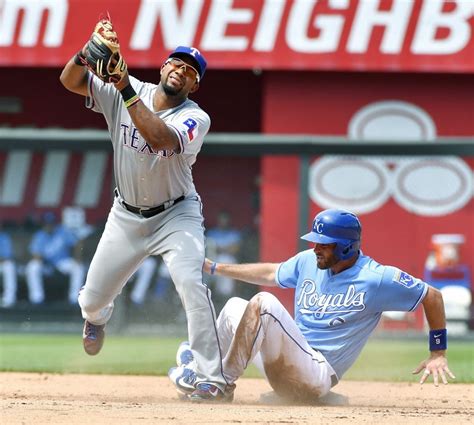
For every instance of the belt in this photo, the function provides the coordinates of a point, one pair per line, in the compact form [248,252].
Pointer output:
[149,212]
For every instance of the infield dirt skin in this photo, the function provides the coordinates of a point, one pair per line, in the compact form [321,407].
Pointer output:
[28,398]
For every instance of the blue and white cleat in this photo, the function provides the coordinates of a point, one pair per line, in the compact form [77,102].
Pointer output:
[183,379]
[206,392]
[184,355]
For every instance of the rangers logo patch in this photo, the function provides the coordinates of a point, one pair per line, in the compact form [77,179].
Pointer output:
[404,279]
[192,128]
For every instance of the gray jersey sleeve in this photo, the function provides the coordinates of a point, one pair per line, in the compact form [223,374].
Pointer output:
[102,96]
[191,127]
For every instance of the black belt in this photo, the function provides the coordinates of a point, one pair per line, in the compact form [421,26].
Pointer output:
[149,212]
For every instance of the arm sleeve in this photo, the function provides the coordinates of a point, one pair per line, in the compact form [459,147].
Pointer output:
[101,96]
[287,273]
[399,291]
[191,129]
[69,238]
[35,245]
[6,250]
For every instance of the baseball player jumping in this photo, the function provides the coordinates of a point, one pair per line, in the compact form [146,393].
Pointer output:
[340,295]
[156,133]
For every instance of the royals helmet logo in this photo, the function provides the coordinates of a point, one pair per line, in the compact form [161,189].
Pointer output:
[318,226]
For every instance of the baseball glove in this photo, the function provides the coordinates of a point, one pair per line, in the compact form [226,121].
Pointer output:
[102,53]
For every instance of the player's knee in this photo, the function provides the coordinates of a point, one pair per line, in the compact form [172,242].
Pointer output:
[185,281]
[89,303]
[235,304]
[33,266]
[8,266]
[264,300]
[182,282]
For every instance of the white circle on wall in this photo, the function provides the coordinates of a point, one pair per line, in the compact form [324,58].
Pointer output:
[391,120]
[433,186]
[358,184]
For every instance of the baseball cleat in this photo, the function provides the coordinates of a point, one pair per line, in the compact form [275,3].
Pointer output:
[184,355]
[205,392]
[93,338]
[183,379]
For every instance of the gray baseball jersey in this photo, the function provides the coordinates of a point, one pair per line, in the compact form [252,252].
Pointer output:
[148,178]
[145,177]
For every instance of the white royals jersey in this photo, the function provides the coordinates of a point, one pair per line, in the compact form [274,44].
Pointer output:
[146,177]
[337,312]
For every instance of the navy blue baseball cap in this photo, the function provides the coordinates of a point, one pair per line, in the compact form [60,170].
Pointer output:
[48,217]
[194,54]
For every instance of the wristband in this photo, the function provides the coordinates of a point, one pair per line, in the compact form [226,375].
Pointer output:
[130,96]
[438,339]
[79,58]
[213,267]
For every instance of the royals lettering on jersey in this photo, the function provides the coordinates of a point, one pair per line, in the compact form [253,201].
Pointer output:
[319,304]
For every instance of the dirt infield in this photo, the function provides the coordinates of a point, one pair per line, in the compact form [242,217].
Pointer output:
[93,399]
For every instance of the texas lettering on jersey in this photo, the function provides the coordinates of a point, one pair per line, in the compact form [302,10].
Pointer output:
[319,304]
[131,139]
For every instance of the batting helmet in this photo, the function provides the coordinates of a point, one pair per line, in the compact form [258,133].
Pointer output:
[337,226]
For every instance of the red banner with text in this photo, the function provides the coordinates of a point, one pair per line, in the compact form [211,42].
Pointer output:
[361,35]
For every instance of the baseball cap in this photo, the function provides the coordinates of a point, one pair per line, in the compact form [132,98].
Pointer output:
[194,54]
[49,217]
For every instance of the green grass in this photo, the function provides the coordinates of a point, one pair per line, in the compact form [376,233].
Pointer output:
[64,354]
[381,360]
[394,360]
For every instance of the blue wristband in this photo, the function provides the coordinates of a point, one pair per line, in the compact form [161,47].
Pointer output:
[438,339]
[213,267]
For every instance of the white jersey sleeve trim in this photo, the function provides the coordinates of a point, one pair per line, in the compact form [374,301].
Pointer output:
[421,298]
[277,277]
[90,102]
[180,138]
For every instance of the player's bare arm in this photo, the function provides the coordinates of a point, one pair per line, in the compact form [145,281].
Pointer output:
[74,78]
[437,363]
[255,273]
[152,128]
[101,55]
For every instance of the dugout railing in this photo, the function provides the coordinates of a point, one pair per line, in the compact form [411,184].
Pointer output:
[229,144]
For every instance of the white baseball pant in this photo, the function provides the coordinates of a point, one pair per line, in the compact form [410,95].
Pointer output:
[35,269]
[263,331]
[177,234]
[8,269]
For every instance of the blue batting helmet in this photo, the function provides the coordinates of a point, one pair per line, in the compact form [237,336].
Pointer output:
[336,226]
